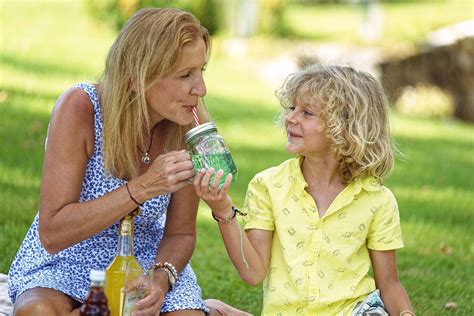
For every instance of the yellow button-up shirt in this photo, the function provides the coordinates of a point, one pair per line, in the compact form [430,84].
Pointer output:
[319,266]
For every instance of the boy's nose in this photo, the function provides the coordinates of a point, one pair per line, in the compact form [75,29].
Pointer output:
[291,118]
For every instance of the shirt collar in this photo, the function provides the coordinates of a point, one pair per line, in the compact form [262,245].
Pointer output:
[300,180]
[368,184]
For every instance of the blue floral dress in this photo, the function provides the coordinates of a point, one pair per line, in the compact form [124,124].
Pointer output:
[68,270]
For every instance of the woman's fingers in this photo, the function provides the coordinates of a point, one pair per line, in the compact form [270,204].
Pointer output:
[169,172]
[175,156]
[149,305]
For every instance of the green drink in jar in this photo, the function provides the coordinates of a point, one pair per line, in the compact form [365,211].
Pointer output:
[208,150]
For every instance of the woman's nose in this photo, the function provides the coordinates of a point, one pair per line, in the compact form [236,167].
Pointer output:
[199,87]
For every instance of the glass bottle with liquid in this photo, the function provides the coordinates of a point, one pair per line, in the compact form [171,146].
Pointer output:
[117,269]
[96,300]
[208,149]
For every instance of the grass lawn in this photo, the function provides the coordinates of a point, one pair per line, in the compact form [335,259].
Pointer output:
[48,46]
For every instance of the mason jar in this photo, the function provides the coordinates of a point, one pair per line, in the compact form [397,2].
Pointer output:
[208,149]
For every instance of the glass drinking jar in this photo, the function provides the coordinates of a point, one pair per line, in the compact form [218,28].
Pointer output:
[208,149]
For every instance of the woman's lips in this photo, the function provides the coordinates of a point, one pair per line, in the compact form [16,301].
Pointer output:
[189,107]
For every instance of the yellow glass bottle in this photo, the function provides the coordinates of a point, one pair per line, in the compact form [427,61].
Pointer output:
[115,272]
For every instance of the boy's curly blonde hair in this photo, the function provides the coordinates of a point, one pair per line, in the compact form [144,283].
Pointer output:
[355,112]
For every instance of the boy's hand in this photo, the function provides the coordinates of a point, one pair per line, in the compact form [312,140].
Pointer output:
[217,199]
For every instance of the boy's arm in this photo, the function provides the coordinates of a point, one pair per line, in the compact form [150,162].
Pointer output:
[249,252]
[394,296]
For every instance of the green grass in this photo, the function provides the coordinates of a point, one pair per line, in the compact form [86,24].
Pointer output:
[48,46]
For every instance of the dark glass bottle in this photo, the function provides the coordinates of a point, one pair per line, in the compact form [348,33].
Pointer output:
[96,300]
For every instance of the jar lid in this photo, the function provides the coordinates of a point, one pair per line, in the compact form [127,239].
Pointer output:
[195,131]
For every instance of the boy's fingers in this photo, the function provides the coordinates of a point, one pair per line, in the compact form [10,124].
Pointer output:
[206,179]
[225,187]
[215,183]
[197,181]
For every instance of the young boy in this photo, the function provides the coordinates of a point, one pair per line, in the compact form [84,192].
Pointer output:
[317,223]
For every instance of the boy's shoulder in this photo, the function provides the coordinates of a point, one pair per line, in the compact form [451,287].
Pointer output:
[283,170]
[375,188]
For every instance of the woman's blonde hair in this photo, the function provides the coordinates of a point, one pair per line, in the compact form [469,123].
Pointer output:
[355,112]
[148,47]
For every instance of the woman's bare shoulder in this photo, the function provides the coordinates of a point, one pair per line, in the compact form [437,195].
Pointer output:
[72,118]
[76,102]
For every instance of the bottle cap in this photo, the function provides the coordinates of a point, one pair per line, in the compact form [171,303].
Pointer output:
[199,130]
[125,227]
[97,275]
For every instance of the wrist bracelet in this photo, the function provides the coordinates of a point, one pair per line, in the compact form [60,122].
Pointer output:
[167,266]
[171,278]
[235,211]
[170,271]
[407,312]
[131,197]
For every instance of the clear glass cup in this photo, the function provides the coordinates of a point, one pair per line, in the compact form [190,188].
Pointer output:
[137,286]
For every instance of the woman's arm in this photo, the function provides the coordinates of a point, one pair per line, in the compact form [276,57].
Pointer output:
[251,248]
[394,296]
[63,220]
[70,142]
[180,229]
[176,247]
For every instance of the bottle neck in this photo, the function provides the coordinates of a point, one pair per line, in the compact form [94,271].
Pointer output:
[98,283]
[125,238]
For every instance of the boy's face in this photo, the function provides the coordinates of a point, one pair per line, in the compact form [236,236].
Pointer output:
[305,128]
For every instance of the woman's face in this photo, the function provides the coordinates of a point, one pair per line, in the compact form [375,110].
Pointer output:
[173,96]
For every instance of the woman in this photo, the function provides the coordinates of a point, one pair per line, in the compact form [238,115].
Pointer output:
[111,147]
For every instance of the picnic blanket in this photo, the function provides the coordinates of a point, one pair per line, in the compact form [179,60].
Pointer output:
[6,306]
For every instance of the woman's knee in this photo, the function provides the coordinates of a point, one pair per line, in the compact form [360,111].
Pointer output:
[187,312]
[218,307]
[34,307]
[42,301]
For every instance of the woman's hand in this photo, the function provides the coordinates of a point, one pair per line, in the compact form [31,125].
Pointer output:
[168,173]
[217,199]
[152,303]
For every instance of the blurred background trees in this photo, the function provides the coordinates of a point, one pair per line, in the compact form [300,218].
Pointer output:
[236,17]
[378,32]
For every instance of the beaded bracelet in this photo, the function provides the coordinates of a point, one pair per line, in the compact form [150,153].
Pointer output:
[131,197]
[168,266]
[170,271]
[235,211]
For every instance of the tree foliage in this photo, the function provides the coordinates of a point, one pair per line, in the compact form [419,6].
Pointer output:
[117,12]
